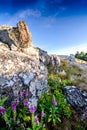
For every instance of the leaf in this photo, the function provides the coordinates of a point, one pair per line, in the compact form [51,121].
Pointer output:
[29,129]
[3,100]
[54,121]
[43,128]
[59,119]
[26,118]
[20,116]
[49,119]
[8,112]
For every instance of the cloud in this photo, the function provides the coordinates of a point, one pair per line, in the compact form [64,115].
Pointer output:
[23,15]
[29,12]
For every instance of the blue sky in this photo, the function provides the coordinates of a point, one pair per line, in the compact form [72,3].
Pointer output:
[57,26]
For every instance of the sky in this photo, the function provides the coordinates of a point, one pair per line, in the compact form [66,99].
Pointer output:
[57,26]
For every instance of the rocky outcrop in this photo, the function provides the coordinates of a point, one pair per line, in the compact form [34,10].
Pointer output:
[22,72]
[76,97]
[24,67]
[18,36]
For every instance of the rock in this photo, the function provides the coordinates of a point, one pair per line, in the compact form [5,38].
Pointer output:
[71,58]
[24,68]
[19,36]
[76,97]
[60,71]
[25,36]
[54,60]
[20,72]
[43,56]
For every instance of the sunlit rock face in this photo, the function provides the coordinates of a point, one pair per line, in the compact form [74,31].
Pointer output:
[19,36]
[25,36]
[21,70]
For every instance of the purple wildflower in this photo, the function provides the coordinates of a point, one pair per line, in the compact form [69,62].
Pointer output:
[32,109]
[25,103]
[3,111]
[14,106]
[26,94]
[21,94]
[37,120]
[54,102]
[86,113]
[42,114]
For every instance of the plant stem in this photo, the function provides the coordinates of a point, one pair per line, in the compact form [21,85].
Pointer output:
[33,122]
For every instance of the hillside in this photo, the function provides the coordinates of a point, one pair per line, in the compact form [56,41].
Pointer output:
[39,91]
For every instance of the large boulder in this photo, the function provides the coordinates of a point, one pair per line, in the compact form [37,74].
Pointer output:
[76,97]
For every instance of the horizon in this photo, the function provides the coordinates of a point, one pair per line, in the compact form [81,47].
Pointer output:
[57,26]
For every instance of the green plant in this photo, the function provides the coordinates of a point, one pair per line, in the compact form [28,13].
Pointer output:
[54,114]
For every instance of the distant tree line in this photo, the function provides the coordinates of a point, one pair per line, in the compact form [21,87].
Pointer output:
[81,55]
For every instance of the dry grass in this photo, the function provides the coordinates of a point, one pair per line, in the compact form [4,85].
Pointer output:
[75,73]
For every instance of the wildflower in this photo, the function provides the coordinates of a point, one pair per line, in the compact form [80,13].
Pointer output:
[3,111]
[21,94]
[42,114]
[26,94]
[32,109]
[14,106]
[86,113]
[25,103]
[37,120]
[54,102]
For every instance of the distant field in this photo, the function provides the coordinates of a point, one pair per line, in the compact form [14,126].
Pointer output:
[63,56]
[80,61]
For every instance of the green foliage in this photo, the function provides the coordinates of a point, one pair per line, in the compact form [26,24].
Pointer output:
[3,100]
[19,119]
[54,114]
[81,55]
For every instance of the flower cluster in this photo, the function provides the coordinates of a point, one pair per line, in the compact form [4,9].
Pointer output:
[21,94]
[26,94]
[25,103]
[32,109]
[86,113]
[54,102]
[14,106]
[36,120]
[2,110]
[42,114]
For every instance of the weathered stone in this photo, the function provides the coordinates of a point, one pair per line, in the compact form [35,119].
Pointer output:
[24,35]
[16,37]
[71,58]
[24,68]
[76,97]
[43,56]
[54,60]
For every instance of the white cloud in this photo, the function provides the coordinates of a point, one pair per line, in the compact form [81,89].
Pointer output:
[23,15]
